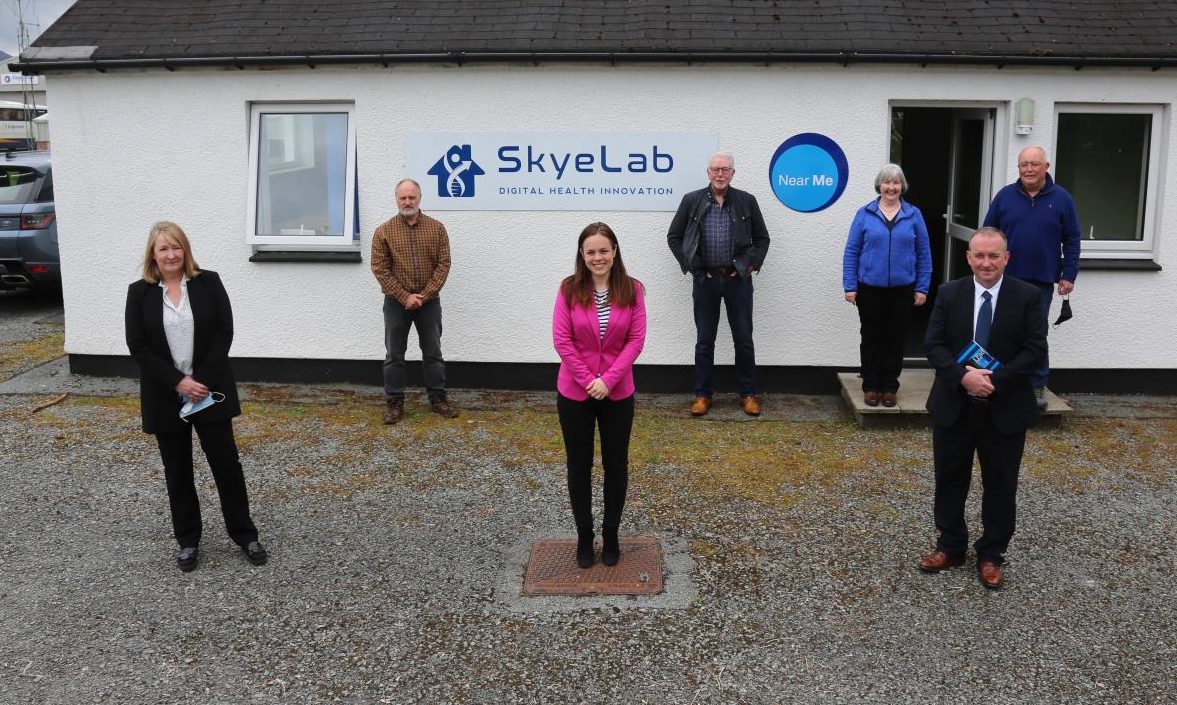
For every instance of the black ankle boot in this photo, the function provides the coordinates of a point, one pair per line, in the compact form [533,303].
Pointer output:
[610,550]
[584,548]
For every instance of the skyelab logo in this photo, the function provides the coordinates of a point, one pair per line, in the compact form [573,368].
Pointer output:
[455,173]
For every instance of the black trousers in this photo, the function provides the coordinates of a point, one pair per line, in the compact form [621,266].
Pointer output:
[577,422]
[1000,455]
[884,314]
[216,440]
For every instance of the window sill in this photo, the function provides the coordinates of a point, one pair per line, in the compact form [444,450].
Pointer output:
[296,256]
[1118,265]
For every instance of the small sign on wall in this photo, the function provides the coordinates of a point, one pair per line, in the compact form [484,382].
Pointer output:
[808,172]
[542,171]
[16,79]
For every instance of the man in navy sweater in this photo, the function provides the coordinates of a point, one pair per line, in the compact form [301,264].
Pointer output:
[1039,220]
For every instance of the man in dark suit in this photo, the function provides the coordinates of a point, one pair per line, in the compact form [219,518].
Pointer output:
[975,410]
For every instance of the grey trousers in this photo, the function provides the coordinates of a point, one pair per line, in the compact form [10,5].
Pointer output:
[396,340]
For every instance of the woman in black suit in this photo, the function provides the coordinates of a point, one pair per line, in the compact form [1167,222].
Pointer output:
[179,329]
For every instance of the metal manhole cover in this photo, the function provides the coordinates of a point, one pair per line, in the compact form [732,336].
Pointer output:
[552,569]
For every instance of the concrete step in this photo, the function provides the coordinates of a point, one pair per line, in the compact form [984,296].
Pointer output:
[910,408]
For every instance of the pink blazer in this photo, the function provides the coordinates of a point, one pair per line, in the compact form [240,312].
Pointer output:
[584,355]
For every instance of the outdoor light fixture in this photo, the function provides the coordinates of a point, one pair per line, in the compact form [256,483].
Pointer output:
[1025,116]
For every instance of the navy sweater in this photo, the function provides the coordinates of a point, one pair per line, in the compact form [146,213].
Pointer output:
[1036,229]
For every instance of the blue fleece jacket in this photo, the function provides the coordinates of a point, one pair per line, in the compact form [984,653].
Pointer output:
[878,255]
[1036,229]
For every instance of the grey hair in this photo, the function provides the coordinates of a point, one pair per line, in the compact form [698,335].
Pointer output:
[891,172]
[402,182]
[989,231]
[723,155]
[1023,150]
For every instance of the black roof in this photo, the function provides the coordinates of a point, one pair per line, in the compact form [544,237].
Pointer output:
[112,33]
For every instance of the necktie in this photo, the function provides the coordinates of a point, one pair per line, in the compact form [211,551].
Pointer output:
[984,320]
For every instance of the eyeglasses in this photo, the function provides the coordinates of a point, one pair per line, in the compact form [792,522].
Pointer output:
[720,169]
[1028,165]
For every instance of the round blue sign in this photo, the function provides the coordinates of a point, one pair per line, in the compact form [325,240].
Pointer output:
[808,172]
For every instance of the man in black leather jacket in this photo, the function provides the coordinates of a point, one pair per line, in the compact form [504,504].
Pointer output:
[719,237]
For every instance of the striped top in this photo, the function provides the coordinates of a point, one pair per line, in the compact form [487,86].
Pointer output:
[602,299]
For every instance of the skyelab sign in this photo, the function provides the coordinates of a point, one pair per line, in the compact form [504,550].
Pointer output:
[550,171]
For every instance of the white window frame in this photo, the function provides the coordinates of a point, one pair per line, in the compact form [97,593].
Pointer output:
[1126,249]
[347,241]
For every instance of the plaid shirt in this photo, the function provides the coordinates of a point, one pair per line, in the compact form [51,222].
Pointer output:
[411,259]
[716,240]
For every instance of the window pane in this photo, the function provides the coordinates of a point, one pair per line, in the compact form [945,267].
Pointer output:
[302,171]
[16,184]
[966,174]
[46,193]
[1103,162]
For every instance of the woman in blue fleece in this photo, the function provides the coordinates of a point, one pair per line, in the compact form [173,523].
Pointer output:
[886,268]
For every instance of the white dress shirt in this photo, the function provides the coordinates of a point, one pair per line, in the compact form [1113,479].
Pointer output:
[179,327]
[977,300]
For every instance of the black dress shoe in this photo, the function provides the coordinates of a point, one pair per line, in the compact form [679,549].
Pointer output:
[186,558]
[256,553]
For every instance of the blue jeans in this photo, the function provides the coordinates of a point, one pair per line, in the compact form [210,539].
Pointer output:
[736,295]
[396,340]
[1045,295]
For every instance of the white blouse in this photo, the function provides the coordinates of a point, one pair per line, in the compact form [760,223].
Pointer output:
[179,327]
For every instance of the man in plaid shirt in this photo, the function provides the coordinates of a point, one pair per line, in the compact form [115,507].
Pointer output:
[411,260]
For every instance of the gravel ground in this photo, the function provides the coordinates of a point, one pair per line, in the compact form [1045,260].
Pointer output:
[392,553]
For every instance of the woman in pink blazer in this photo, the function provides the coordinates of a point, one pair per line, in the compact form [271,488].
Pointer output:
[598,328]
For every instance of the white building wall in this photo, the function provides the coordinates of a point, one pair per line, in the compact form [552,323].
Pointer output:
[131,148]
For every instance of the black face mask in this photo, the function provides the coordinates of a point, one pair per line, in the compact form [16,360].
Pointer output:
[1064,313]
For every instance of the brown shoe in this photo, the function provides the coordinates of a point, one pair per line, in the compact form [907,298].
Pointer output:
[991,574]
[442,407]
[751,405]
[889,399]
[394,412]
[701,405]
[938,560]
[872,397]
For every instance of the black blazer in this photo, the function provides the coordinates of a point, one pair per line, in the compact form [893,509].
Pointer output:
[213,317]
[1017,339]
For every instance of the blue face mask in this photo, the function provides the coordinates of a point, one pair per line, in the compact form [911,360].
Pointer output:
[191,407]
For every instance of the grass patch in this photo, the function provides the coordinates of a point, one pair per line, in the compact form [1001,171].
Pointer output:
[18,357]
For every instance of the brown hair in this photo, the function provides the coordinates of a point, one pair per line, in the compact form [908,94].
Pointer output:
[579,286]
[167,227]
